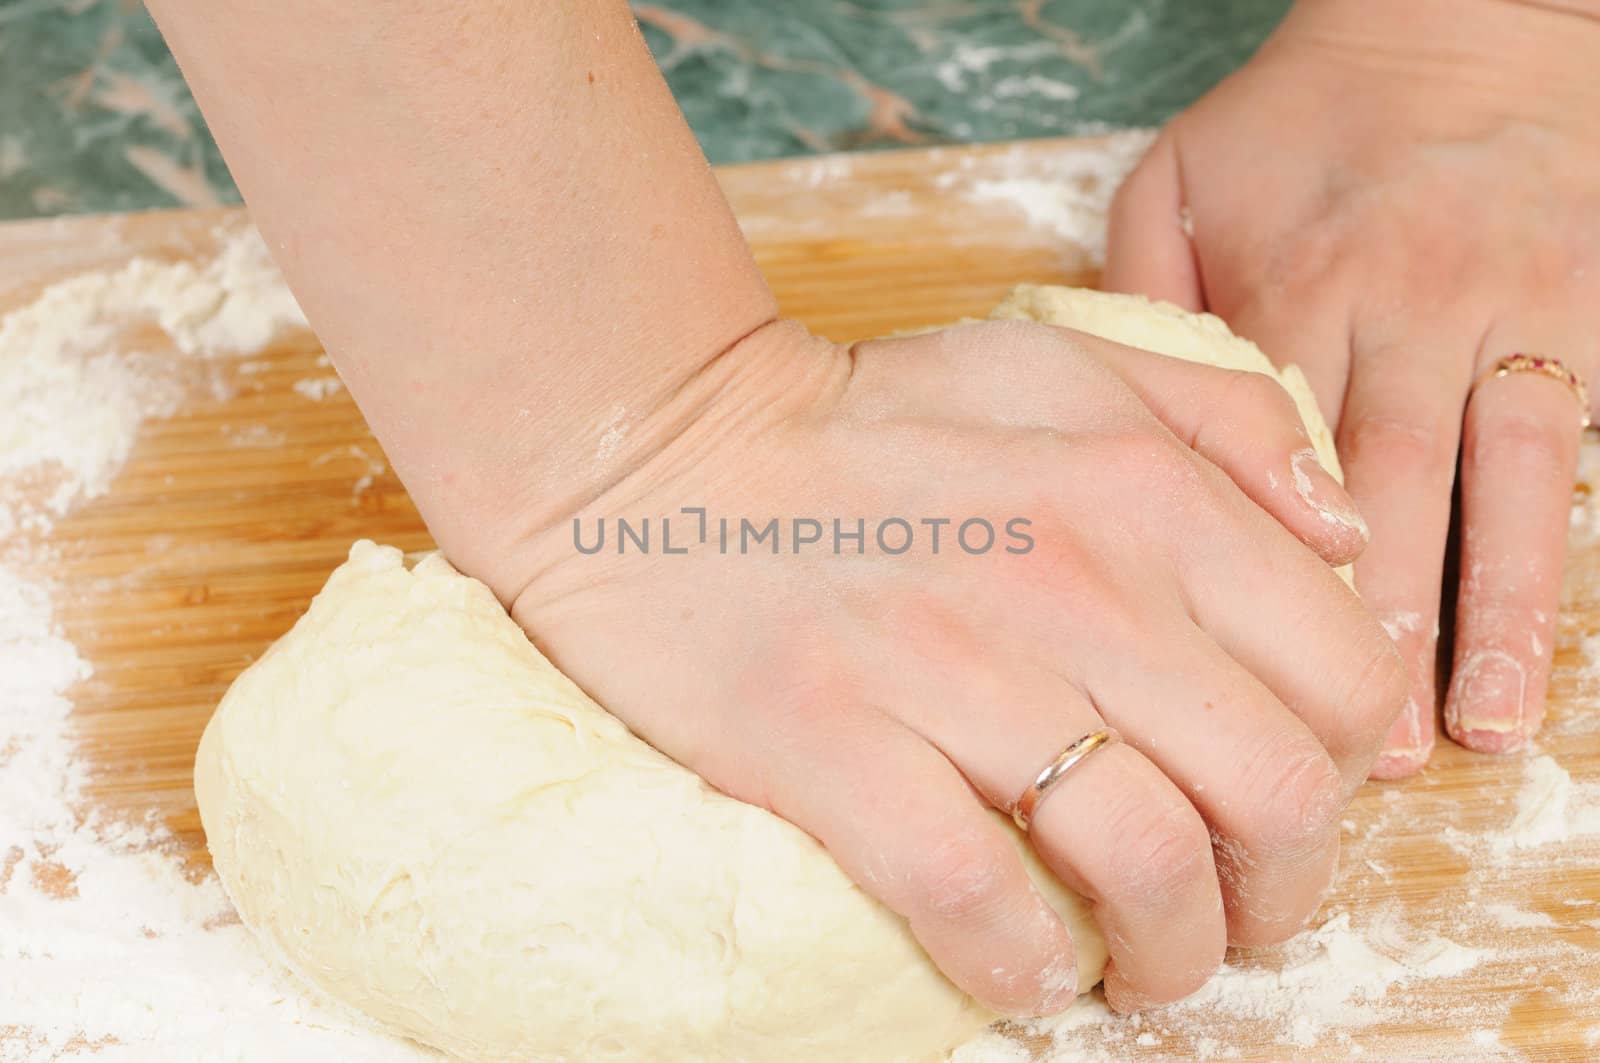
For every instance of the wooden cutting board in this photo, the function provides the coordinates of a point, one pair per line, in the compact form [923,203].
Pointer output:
[230,514]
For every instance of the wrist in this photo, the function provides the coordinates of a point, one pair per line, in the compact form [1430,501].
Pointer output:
[491,440]
[649,461]
[1589,9]
[1531,59]
[1430,17]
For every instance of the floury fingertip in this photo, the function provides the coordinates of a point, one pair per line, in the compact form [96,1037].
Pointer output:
[1318,489]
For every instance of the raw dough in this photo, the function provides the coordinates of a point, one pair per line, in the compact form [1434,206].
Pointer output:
[424,818]
[433,824]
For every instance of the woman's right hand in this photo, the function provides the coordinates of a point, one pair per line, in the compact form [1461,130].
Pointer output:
[886,702]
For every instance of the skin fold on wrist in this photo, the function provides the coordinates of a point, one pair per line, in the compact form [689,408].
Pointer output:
[777,373]
[1466,70]
[1527,46]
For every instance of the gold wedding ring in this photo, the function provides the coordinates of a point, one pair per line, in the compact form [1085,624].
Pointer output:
[1546,366]
[1028,803]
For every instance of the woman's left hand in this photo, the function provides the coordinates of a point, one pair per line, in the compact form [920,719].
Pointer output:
[1396,197]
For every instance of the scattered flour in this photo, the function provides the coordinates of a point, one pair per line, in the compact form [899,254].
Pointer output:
[318,388]
[1486,1038]
[375,466]
[73,404]
[1332,976]
[252,435]
[1333,979]
[1071,199]
[107,950]
[822,170]
[1060,190]
[1509,915]
[1550,809]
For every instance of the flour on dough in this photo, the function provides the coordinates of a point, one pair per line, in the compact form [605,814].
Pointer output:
[423,817]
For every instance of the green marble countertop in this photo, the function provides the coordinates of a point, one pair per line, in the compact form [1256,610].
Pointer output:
[95,117]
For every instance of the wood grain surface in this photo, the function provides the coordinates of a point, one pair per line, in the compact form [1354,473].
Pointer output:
[231,512]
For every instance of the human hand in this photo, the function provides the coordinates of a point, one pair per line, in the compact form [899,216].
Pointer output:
[1395,197]
[886,702]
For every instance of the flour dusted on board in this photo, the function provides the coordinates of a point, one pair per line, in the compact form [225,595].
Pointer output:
[74,395]
[1354,971]
[1071,198]
[1333,980]
[106,948]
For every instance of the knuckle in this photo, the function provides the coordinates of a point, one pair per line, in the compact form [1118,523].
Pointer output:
[1299,793]
[1530,445]
[964,878]
[1064,573]
[1376,697]
[931,625]
[1162,850]
[1161,465]
[1414,441]
[1140,461]
[795,694]
[1259,393]
[1553,264]
[1301,266]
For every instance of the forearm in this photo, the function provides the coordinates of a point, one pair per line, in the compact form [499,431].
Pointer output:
[1498,50]
[494,217]
[1584,8]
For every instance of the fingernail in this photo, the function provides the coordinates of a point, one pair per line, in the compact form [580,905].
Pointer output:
[1326,496]
[1486,710]
[1408,746]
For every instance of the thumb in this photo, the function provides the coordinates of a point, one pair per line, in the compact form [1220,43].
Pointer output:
[1148,251]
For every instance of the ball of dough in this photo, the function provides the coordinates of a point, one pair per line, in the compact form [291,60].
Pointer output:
[433,824]
[426,819]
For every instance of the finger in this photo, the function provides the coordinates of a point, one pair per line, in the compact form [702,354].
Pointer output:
[1292,623]
[1263,781]
[902,822]
[1519,460]
[1243,422]
[1119,829]
[1398,436]
[1300,631]
[1121,834]
[1148,247]
[1246,424]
